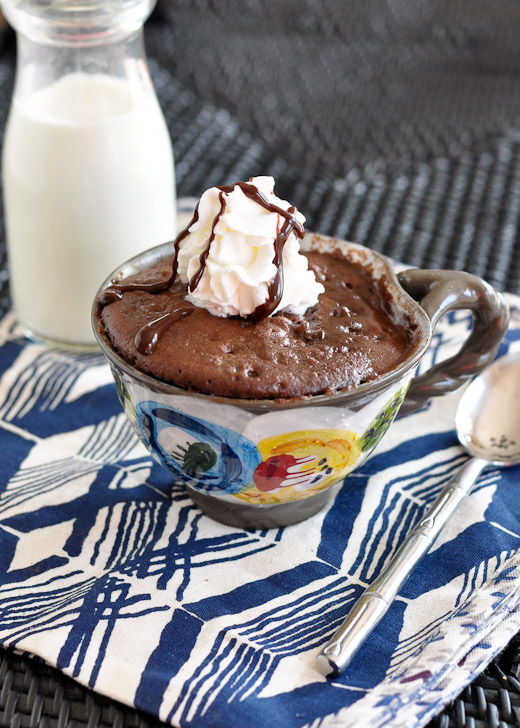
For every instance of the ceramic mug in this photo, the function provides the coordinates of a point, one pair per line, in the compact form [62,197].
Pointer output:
[269,463]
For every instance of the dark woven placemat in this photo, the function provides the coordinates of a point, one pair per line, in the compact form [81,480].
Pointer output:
[33,695]
[392,125]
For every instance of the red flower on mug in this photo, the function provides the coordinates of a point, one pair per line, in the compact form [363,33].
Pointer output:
[281,471]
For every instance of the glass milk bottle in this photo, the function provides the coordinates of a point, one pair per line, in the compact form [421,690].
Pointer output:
[87,160]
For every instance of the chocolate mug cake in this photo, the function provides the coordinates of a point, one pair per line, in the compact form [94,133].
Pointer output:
[349,334]
[261,365]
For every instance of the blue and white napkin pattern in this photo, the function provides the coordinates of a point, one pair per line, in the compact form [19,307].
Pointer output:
[108,572]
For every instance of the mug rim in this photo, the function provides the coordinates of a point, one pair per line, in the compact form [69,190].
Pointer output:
[369,258]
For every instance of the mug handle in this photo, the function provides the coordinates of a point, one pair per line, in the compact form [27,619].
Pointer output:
[440,291]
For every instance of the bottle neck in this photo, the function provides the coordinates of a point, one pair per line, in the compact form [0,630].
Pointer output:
[40,66]
[59,37]
[88,23]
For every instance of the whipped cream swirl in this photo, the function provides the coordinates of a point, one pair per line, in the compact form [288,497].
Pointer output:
[227,255]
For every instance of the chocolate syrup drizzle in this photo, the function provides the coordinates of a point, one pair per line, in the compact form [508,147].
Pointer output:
[116,290]
[147,337]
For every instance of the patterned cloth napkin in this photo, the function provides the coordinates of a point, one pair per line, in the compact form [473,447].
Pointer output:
[108,572]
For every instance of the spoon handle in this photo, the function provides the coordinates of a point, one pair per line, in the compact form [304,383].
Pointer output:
[371,606]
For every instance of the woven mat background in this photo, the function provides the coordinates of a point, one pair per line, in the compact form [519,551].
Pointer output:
[393,124]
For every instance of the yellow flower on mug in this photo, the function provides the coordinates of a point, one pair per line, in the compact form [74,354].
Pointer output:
[298,464]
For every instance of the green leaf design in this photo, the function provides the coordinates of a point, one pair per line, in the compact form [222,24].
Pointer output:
[382,422]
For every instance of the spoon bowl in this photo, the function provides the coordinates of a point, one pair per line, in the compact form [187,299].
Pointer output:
[488,415]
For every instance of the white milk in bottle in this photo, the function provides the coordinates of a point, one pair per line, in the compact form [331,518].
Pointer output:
[88,183]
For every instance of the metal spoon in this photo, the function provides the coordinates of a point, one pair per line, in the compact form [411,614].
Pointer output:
[488,426]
